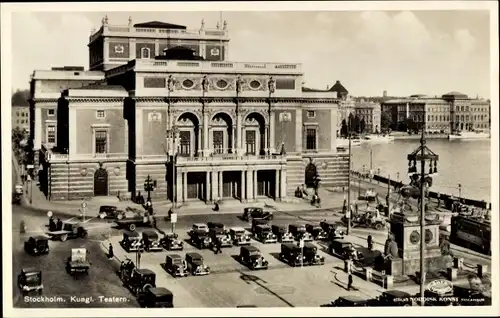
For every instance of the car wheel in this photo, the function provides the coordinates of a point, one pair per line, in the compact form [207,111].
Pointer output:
[102,215]
[131,227]
[64,237]
[378,226]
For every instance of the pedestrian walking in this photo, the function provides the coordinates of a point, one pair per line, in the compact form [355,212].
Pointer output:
[217,247]
[349,282]
[111,254]
[369,240]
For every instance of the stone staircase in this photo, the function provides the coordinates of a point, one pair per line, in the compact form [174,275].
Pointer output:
[295,174]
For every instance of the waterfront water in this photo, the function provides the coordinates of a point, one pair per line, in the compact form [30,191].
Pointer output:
[464,162]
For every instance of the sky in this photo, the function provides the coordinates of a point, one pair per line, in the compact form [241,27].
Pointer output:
[403,52]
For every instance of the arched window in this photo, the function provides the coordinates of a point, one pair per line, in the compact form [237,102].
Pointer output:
[145,53]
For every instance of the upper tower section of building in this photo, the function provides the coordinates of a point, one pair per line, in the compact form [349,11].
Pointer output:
[115,45]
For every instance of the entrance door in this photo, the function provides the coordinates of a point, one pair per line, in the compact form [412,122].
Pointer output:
[101,182]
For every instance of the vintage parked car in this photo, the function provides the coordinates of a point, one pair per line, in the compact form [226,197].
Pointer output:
[151,241]
[239,236]
[299,232]
[198,227]
[316,231]
[195,264]
[132,218]
[282,233]
[30,279]
[345,250]
[157,297]
[139,280]
[37,245]
[256,222]
[292,254]
[218,234]
[17,194]
[311,256]
[175,265]
[264,234]
[201,239]
[332,230]
[78,263]
[108,212]
[131,241]
[217,225]
[394,298]
[69,230]
[256,213]
[349,301]
[171,242]
[252,257]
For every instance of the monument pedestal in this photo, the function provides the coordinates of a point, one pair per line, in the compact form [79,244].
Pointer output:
[406,231]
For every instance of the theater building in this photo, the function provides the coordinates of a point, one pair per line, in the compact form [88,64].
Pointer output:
[162,100]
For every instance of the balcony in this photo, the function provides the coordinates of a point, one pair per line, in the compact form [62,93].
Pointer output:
[130,31]
[217,159]
[52,157]
[144,65]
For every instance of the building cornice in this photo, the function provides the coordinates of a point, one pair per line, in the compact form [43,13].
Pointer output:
[274,100]
[95,99]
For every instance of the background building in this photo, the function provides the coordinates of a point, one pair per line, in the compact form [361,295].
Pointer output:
[162,100]
[369,113]
[452,112]
[20,117]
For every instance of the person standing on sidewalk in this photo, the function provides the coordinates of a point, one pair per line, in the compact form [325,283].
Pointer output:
[349,281]
[369,240]
[111,254]
[217,246]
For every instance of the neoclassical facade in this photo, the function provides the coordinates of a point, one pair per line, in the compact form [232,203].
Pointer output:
[203,129]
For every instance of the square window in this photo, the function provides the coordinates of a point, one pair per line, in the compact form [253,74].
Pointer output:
[218,137]
[51,134]
[250,142]
[101,141]
[101,114]
[145,53]
[311,139]
[185,143]
[51,112]
[311,114]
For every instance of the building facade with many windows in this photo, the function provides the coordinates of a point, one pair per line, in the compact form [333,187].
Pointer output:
[369,113]
[204,128]
[450,113]
[21,117]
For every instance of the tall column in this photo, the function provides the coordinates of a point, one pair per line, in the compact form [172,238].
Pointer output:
[277,185]
[215,185]
[255,192]
[106,51]
[221,183]
[283,183]
[298,130]
[157,47]
[272,126]
[242,187]
[38,127]
[138,130]
[205,134]
[249,187]
[198,140]
[72,121]
[178,185]
[132,46]
[184,186]
[207,187]
[333,133]
[266,136]
[238,134]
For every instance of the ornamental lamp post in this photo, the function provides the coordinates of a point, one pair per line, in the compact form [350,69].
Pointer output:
[421,180]
[149,185]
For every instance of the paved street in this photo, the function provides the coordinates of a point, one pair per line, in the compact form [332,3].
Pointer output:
[279,286]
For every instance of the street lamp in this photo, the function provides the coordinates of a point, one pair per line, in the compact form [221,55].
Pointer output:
[460,192]
[420,180]
[149,185]
[172,133]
